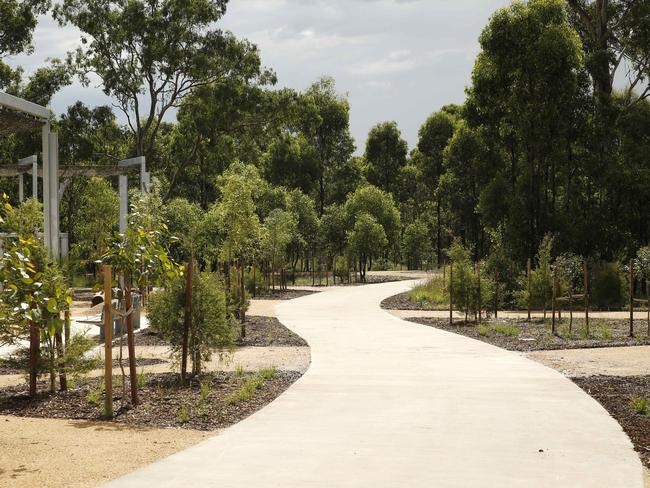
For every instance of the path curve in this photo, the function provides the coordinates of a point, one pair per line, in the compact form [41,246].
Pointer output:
[388,403]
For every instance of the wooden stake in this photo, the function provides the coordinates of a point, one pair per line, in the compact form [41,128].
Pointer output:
[187,322]
[554,304]
[496,295]
[586,287]
[133,372]
[631,298]
[451,293]
[647,295]
[478,277]
[107,271]
[528,274]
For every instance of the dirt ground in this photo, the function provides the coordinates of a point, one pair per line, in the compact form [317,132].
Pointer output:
[606,361]
[97,451]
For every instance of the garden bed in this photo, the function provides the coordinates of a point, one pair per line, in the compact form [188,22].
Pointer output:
[282,294]
[402,301]
[268,331]
[217,401]
[616,394]
[260,332]
[521,335]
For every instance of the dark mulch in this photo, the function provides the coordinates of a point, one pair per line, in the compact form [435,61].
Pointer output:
[9,367]
[144,337]
[268,331]
[536,335]
[139,362]
[282,294]
[403,302]
[615,394]
[163,401]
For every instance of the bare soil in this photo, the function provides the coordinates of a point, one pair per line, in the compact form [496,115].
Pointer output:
[55,453]
[165,403]
[615,394]
[536,335]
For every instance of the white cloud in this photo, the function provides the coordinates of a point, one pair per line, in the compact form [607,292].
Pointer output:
[397,59]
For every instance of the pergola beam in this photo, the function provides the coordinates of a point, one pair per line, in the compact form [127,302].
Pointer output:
[24,106]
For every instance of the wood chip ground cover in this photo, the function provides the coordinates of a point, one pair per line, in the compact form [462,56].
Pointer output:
[165,402]
[615,394]
[536,335]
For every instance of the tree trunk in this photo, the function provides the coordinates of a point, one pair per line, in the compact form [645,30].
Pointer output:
[187,322]
[60,352]
[34,356]
[133,373]
[242,302]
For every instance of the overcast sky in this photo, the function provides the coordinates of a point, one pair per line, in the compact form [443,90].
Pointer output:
[396,59]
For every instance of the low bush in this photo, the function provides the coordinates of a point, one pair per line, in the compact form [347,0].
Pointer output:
[608,287]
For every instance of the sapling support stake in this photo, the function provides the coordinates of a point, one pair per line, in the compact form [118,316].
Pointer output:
[631,298]
[528,275]
[187,322]
[107,271]
[130,338]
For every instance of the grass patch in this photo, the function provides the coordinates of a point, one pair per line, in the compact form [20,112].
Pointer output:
[506,330]
[251,385]
[431,293]
[484,330]
[640,405]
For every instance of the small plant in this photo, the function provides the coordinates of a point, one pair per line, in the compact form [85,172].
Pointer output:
[239,371]
[94,396]
[204,392]
[142,379]
[184,413]
[247,390]
[484,330]
[640,405]
[268,373]
[506,330]
[603,331]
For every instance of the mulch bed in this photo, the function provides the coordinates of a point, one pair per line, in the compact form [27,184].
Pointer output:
[536,335]
[403,302]
[268,331]
[164,402]
[282,294]
[615,394]
[260,332]
[144,337]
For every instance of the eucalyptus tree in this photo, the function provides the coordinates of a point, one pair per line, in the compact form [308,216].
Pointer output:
[385,155]
[326,125]
[366,240]
[151,55]
[279,229]
[433,137]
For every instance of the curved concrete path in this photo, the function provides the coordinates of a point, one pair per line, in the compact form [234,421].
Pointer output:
[388,403]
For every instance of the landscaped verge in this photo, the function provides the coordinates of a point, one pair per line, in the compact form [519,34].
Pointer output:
[626,399]
[536,335]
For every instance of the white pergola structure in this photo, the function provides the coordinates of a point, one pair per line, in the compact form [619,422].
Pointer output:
[18,115]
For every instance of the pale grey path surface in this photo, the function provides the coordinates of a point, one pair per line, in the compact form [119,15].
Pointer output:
[387,403]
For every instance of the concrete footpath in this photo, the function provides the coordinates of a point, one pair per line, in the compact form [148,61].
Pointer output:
[388,403]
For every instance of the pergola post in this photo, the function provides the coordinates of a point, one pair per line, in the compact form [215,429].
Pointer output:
[46,186]
[33,162]
[53,183]
[124,202]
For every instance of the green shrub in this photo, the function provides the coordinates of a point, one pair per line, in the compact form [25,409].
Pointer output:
[607,289]
[211,328]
